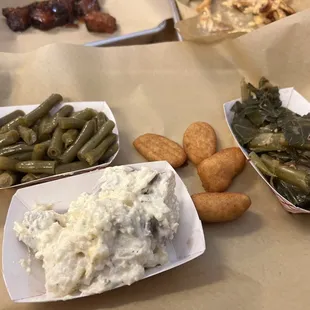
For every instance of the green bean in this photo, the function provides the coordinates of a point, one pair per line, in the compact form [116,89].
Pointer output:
[85,134]
[86,114]
[35,128]
[74,166]
[14,149]
[7,163]
[27,134]
[94,155]
[70,123]
[69,137]
[11,116]
[53,122]
[37,166]
[22,156]
[57,146]
[100,119]
[42,136]
[13,124]
[105,130]
[8,138]
[42,109]
[109,153]
[8,178]
[40,150]
[32,177]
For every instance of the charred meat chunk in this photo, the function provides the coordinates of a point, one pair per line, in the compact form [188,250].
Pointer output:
[83,7]
[42,16]
[46,15]
[63,10]
[18,19]
[100,22]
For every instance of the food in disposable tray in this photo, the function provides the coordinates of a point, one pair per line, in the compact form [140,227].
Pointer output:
[272,128]
[126,223]
[46,15]
[40,143]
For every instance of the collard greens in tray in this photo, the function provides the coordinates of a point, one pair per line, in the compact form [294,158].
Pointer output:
[276,138]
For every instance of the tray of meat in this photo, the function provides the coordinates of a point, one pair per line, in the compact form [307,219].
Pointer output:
[33,24]
[46,15]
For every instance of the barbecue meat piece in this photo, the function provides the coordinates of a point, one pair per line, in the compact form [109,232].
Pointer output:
[42,16]
[46,15]
[49,14]
[100,22]
[18,19]
[63,10]
[83,7]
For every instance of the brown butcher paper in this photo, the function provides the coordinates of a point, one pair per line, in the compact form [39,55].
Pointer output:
[260,261]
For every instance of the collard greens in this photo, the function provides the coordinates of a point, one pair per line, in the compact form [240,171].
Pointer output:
[277,139]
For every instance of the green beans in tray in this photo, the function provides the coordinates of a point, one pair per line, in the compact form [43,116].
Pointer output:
[50,141]
[276,139]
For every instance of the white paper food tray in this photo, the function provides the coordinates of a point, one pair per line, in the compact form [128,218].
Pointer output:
[99,106]
[187,244]
[295,102]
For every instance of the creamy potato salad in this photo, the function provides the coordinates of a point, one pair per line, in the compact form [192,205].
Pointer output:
[107,237]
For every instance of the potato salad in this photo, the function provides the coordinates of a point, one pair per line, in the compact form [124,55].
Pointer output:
[108,237]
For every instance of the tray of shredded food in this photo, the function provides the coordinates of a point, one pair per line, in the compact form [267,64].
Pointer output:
[212,20]
[112,228]
[272,128]
[48,141]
